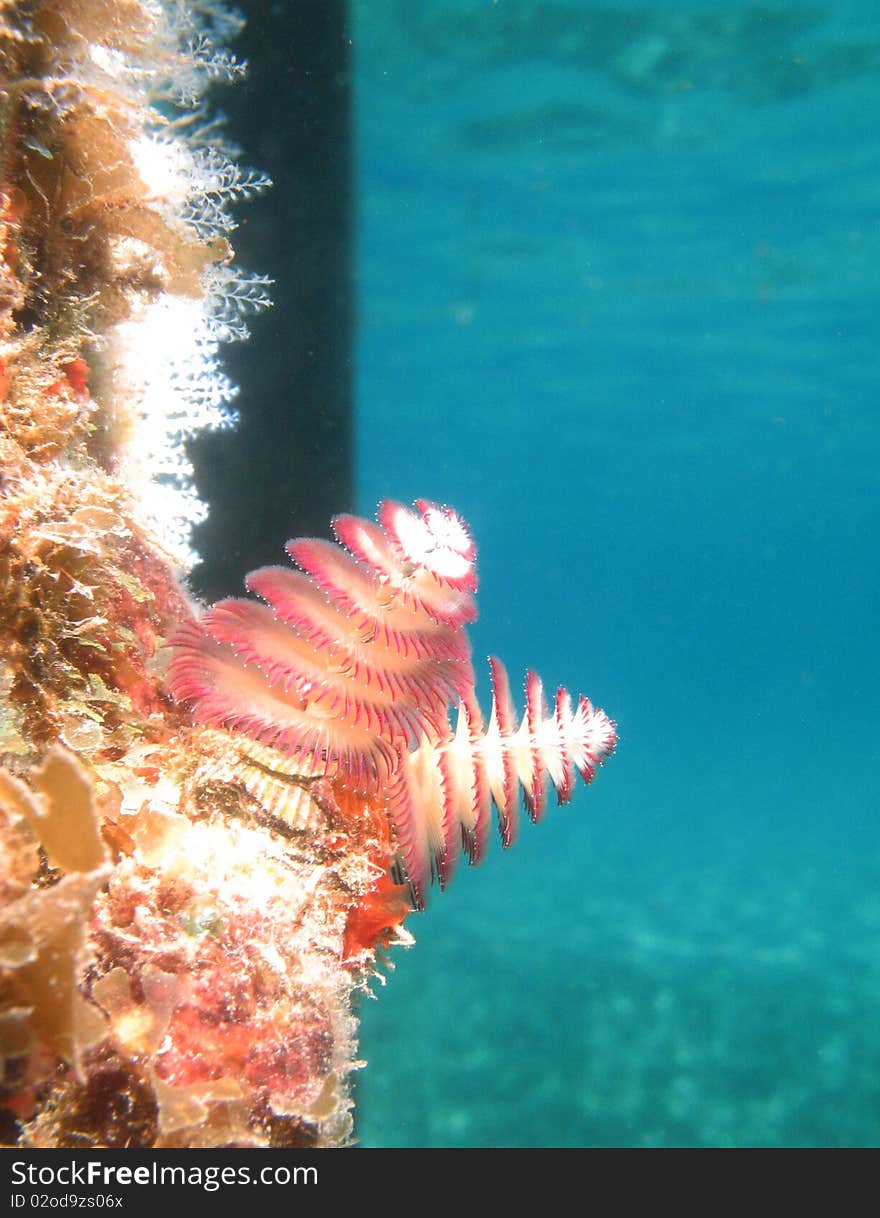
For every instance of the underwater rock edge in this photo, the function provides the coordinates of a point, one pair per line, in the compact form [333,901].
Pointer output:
[179,941]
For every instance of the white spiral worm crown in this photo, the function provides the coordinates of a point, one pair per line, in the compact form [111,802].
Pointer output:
[351,667]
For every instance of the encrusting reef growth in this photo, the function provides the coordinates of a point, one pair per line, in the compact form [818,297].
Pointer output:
[211,825]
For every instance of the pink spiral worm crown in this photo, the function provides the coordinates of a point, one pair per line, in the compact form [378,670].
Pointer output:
[351,667]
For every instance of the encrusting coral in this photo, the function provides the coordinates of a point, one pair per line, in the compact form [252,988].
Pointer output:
[198,873]
[149,873]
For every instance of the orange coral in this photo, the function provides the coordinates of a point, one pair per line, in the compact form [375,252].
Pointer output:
[373,921]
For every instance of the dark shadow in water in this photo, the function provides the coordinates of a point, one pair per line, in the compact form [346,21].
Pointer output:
[287,467]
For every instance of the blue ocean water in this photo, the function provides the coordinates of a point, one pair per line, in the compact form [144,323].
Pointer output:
[618,285]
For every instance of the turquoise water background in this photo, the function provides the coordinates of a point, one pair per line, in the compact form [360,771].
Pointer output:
[618,305]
